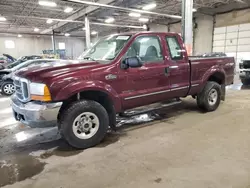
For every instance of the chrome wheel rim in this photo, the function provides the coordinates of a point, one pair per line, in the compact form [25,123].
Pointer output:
[212,97]
[85,125]
[9,89]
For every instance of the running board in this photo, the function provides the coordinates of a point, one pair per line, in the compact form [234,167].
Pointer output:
[144,109]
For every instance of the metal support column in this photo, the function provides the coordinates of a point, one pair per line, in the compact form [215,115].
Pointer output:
[87,31]
[187,24]
[53,41]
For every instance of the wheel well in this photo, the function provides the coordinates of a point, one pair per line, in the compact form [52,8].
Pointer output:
[97,96]
[217,77]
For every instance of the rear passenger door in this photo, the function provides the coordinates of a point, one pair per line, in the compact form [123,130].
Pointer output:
[179,70]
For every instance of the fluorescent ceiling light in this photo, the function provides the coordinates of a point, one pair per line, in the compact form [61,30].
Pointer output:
[134,14]
[145,27]
[47,3]
[110,20]
[2,18]
[66,34]
[68,9]
[36,29]
[94,32]
[19,35]
[143,19]
[49,21]
[194,10]
[149,6]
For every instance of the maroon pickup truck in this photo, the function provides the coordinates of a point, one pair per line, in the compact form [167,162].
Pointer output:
[118,73]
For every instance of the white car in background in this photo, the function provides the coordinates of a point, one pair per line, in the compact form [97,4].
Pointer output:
[6,81]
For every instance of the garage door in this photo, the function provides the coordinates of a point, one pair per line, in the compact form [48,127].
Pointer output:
[234,41]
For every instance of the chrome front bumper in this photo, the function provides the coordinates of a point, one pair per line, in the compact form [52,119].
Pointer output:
[36,114]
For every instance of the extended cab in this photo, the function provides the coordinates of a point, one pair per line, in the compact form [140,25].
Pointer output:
[118,73]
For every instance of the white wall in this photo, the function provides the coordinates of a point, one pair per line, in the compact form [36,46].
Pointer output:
[203,35]
[35,45]
[158,28]
[232,18]
[175,27]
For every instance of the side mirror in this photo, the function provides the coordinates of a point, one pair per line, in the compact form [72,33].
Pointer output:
[132,62]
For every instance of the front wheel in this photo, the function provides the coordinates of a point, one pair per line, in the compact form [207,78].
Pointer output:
[84,124]
[7,88]
[209,98]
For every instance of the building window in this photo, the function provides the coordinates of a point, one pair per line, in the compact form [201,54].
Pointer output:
[9,44]
[61,45]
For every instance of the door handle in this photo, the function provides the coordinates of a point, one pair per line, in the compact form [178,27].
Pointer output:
[174,67]
[166,71]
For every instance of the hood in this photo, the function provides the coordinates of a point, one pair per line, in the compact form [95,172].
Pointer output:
[58,70]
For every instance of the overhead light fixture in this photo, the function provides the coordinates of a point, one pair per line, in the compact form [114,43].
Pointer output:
[149,6]
[143,19]
[94,32]
[66,34]
[2,18]
[36,29]
[19,36]
[194,10]
[145,27]
[134,14]
[110,20]
[68,9]
[49,21]
[47,3]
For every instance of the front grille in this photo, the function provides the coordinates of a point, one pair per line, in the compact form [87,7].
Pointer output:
[22,89]
[246,64]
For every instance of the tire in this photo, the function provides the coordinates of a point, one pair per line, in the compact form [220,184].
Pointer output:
[72,126]
[7,88]
[207,100]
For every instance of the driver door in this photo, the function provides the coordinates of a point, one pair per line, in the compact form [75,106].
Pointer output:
[148,83]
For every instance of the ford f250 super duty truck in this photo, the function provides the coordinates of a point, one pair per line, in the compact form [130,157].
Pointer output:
[120,72]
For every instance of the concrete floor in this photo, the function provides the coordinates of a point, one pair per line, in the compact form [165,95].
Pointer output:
[178,148]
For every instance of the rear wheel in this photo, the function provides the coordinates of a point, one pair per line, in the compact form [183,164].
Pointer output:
[210,97]
[84,124]
[7,88]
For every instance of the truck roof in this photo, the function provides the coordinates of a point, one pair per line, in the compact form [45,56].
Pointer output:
[146,32]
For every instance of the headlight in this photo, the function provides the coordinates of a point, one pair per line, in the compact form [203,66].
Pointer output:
[39,92]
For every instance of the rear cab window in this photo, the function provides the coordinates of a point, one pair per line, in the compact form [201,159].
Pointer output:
[174,48]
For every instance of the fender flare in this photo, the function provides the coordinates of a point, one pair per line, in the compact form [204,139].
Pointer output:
[81,86]
[213,70]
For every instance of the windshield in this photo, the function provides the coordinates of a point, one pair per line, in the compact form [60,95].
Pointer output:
[106,49]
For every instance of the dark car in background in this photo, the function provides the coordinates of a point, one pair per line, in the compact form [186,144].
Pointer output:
[6,75]
[22,59]
[5,59]
[245,72]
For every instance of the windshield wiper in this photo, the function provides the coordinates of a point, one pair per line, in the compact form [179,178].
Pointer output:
[89,58]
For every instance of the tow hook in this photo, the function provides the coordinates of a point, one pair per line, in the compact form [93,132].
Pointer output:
[18,117]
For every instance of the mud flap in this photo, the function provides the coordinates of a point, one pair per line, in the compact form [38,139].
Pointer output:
[112,118]
[223,92]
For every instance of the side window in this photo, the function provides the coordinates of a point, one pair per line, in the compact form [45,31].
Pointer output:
[148,48]
[174,48]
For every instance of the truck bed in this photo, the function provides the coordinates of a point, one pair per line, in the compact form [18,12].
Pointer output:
[200,66]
